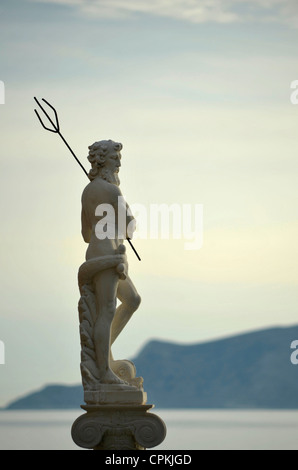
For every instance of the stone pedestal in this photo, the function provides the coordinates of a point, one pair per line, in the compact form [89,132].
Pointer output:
[118,427]
[115,394]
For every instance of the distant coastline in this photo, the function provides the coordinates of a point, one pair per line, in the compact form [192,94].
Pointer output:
[247,371]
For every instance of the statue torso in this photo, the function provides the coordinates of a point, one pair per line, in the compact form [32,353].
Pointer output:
[96,193]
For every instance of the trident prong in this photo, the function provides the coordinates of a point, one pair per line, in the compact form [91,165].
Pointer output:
[40,120]
[55,126]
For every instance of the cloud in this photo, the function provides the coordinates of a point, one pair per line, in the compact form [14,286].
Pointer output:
[193,11]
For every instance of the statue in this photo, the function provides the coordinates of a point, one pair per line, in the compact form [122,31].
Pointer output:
[104,278]
[116,414]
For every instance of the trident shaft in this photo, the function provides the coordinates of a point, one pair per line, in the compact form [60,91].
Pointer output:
[56,129]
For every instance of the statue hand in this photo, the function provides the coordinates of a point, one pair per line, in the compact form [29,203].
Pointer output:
[122,267]
[131,228]
[121,259]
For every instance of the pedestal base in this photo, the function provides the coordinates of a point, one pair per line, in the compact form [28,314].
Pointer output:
[118,427]
[115,394]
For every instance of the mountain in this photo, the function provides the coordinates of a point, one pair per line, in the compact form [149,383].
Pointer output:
[50,397]
[251,370]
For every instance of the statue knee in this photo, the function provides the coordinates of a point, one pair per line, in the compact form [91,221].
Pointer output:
[135,301]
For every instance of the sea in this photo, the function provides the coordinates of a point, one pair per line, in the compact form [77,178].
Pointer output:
[187,429]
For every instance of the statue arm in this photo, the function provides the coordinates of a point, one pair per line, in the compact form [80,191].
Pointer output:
[121,204]
[86,228]
[130,222]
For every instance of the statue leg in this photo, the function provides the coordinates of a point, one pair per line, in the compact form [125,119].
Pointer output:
[130,301]
[106,284]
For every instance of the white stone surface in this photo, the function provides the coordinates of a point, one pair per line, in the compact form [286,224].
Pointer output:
[118,428]
[103,278]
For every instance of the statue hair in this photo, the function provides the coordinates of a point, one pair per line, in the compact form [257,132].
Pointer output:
[97,155]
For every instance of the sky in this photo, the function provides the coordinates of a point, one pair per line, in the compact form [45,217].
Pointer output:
[199,94]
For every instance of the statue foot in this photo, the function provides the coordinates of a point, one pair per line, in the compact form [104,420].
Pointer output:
[111,379]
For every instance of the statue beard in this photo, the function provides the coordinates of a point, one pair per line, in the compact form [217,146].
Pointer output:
[109,176]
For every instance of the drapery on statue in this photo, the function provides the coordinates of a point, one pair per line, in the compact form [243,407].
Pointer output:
[103,279]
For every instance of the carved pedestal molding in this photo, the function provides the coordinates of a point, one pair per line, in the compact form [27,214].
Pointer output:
[118,427]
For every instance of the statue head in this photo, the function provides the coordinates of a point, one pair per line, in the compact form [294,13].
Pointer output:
[105,157]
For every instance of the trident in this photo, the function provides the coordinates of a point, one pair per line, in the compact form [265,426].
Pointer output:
[56,130]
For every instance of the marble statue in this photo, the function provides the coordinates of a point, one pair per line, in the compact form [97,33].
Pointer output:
[116,413]
[103,281]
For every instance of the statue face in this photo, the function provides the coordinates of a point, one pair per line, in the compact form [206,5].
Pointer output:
[113,161]
[110,170]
